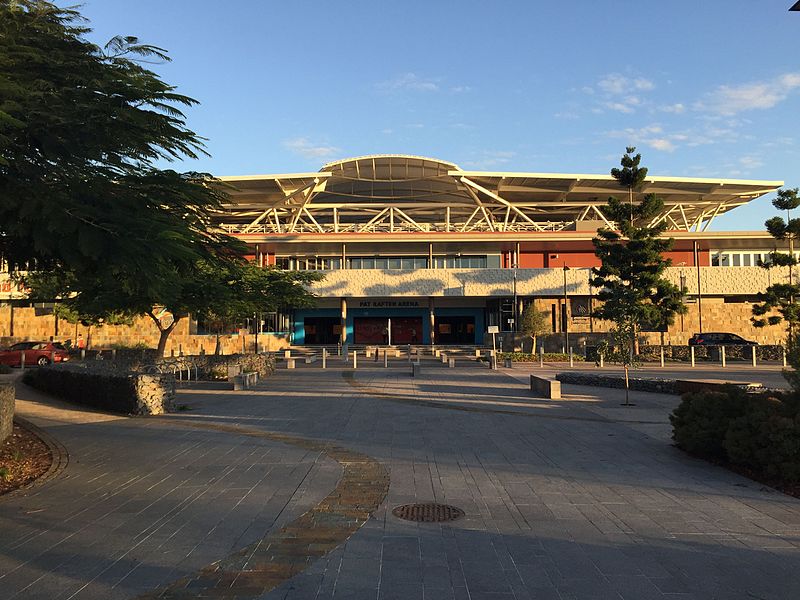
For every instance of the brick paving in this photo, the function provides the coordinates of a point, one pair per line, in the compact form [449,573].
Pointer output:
[571,499]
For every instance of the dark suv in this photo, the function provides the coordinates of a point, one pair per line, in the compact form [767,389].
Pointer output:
[719,339]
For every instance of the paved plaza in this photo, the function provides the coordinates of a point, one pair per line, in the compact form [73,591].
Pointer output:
[286,491]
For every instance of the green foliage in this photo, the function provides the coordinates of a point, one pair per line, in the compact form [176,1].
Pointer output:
[761,433]
[633,291]
[111,392]
[5,473]
[124,346]
[532,357]
[81,128]
[534,322]
[5,370]
[700,422]
[779,303]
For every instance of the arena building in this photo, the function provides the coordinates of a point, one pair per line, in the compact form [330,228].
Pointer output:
[418,251]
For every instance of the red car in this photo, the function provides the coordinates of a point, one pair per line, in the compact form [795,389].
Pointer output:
[36,353]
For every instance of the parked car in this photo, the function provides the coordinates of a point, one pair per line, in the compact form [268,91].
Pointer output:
[719,339]
[36,353]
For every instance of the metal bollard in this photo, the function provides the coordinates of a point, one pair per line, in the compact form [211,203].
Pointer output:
[722,355]
[355,359]
[602,360]
[386,358]
[783,351]
[83,354]
[287,354]
[571,359]
[324,358]
[541,356]
[753,352]
[22,360]
[662,357]
[691,354]
[113,354]
[451,363]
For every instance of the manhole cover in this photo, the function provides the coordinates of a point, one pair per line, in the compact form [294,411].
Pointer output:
[428,513]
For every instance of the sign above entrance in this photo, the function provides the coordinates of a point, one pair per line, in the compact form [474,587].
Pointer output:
[388,304]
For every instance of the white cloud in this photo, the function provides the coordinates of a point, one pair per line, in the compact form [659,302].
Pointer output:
[617,85]
[661,144]
[729,100]
[676,109]
[491,158]
[408,82]
[308,149]
[460,89]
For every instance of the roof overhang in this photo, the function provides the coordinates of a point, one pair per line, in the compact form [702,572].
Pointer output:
[395,193]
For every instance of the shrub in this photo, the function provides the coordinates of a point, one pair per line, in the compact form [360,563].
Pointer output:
[700,423]
[766,440]
[5,370]
[529,357]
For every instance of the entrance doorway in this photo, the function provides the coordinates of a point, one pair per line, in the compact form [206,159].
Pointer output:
[321,330]
[455,330]
[375,330]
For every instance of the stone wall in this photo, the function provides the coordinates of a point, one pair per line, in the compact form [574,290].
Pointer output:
[22,324]
[100,387]
[7,396]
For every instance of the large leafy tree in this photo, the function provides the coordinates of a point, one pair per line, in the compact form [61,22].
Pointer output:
[779,303]
[81,130]
[634,293]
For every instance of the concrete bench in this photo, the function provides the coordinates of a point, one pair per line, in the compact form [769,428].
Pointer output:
[451,362]
[311,359]
[245,380]
[416,369]
[544,387]
[290,363]
[233,371]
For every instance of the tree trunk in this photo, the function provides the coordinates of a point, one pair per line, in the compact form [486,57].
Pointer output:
[627,387]
[163,332]
[218,345]
[533,345]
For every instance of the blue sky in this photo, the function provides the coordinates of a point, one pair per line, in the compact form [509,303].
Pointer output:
[703,89]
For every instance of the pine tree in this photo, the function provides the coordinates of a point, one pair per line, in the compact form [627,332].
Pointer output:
[781,298]
[634,293]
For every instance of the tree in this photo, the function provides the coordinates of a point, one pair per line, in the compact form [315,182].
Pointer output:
[633,290]
[80,130]
[534,323]
[781,298]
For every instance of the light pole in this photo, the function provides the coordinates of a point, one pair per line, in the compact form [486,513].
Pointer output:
[565,314]
[683,294]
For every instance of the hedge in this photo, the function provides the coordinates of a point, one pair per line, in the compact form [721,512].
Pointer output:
[759,432]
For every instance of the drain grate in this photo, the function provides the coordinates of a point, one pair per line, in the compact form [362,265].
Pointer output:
[428,513]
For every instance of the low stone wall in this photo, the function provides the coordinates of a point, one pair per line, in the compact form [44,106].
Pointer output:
[98,386]
[204,366]
[6,409]
[660,386]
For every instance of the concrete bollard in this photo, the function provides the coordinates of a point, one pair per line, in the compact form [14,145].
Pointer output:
[571,358]
[783,352]
[324,358]
[290,363]
[83,354]
[451,363]
[437,353]
[602,360]
[287,354]
[443,356]
[691,354]
[477,352]
[541,356]
[722,355]
[355,359]
[22,360]
[386,359]
[753,352]
[662,357]
[113,354]
[416,369]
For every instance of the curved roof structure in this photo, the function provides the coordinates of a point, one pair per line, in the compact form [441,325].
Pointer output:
[396,193]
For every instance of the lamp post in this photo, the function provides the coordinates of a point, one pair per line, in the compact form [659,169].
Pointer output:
[683,294]
[516,309]
[565,313]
